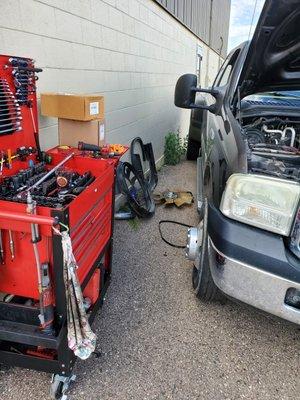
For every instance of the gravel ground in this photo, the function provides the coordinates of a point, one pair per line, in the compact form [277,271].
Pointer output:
[159,342]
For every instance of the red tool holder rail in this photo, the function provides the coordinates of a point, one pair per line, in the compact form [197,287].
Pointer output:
[30,219]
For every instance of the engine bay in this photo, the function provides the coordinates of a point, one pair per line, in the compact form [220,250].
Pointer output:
[273,145]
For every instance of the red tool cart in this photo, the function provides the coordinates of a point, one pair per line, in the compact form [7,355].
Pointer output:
[66,189]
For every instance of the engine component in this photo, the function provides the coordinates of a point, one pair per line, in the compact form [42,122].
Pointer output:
[254,136]
[274,130]
[282,134]
[274,167]
[178,198]
[193,246]
[149,173]
[137,193]
[274,147]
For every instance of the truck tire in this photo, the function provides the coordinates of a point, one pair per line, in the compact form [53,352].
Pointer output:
[192,152]
[203,284]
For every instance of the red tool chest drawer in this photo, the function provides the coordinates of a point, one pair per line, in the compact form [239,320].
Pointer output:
[89,217]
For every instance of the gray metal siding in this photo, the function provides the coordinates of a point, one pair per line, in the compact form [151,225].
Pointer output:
[207,19]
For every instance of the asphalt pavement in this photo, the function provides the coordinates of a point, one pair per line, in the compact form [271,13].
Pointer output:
[158,342]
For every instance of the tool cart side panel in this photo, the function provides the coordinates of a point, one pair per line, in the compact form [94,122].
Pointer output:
[90,221]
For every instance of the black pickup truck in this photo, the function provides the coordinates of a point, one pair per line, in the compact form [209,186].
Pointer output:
[245,135]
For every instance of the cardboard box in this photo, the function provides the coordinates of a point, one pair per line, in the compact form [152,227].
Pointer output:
[71,132]
[72,106]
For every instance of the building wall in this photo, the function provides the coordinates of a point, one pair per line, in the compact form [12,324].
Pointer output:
[208,19]
[131,51]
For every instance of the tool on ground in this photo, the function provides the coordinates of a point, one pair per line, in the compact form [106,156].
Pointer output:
[125,215]
[170,197]
[167,221]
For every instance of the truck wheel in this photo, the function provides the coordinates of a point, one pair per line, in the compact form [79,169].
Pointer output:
[204,286]
[203,283]
[192,152]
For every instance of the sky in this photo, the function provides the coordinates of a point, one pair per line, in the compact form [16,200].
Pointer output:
[240,20]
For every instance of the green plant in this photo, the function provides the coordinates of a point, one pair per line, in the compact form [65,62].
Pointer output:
[134,223]
[175,148]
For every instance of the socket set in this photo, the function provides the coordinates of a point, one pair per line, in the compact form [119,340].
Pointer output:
[56,190]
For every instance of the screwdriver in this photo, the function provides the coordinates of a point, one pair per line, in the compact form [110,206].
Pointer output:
[9,159]
[2,162]
[1,248]
[11,245]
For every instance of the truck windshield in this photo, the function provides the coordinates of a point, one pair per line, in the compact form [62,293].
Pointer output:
[284,94]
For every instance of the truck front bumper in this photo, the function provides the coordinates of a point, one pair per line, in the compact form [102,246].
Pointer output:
[253,266]
[253,286]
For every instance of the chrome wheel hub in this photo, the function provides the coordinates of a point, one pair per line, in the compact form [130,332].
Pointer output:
[194,240]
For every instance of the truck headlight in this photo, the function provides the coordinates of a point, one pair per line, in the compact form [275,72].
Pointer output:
[265,202]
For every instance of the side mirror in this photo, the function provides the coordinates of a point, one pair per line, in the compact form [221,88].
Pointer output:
[185,93]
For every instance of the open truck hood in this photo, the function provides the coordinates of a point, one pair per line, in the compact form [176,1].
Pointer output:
[273,58]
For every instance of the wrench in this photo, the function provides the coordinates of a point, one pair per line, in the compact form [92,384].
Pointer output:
[18,62]
[10,119]
[10,113]
[7,97]
[16,124]
[11,99]
[6,93]
[6,102]
[11,130]
[7,110]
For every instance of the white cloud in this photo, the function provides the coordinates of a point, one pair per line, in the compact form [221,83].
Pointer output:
[240,20]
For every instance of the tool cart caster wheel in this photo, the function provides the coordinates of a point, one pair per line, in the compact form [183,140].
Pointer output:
[59,386]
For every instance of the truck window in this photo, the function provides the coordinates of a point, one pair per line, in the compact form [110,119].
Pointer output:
[225,72]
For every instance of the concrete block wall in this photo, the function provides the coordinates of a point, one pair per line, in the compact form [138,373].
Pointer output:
[131,51]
